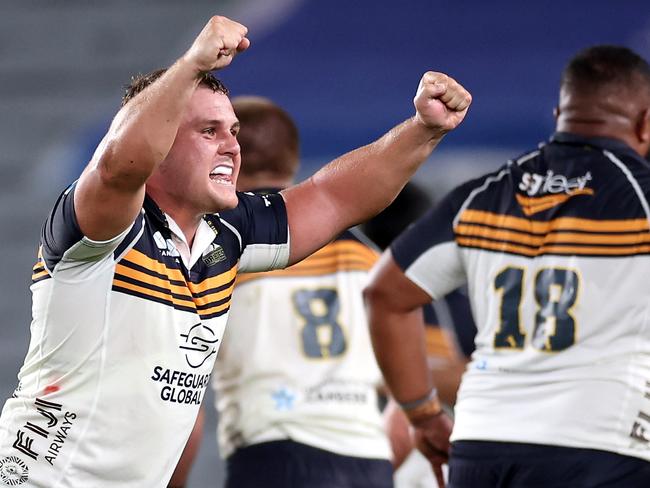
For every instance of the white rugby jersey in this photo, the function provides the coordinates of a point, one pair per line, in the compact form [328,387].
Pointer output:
[555,250]
[297,362]
[124,337]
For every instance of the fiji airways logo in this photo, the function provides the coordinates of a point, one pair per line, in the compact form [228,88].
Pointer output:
[199,344]
[547,191]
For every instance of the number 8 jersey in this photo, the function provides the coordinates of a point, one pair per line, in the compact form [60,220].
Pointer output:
[297,363]
[555,249]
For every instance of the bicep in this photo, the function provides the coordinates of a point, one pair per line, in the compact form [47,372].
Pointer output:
[105,208]
[313,222]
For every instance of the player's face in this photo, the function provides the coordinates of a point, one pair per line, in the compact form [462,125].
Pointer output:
[201,168]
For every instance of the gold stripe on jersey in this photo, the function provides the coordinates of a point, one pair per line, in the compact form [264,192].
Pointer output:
[338,256]
[552,249]
[152,280]
[153,265]
[564,235]
[562,223]
[139,275]
[533,205]
[145,292]
[39,273]
[557,237]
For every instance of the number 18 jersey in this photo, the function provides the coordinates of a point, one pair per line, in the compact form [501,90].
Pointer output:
[555,249]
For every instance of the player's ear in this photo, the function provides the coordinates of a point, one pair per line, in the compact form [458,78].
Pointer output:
[556,112]
[643,125]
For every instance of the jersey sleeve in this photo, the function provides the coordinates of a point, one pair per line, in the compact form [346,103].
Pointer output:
[261,223]
[62,241]
[427,251]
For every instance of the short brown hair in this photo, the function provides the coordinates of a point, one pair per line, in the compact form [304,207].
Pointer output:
[140,82]
[268,137]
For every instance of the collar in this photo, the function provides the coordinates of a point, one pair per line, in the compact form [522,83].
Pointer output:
[152,209]
[613,145]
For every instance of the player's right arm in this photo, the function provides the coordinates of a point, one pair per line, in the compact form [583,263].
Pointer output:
[110,192]
[398,338]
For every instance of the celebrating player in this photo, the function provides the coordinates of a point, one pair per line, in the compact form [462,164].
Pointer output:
[138,259]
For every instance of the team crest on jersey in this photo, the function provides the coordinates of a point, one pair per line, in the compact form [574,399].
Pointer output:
[13,471]
[213,255]
[199,344]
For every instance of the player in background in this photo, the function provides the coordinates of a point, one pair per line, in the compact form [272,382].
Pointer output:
[554,247]
[138,258]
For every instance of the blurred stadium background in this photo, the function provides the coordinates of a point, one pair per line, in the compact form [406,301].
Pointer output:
[346,70]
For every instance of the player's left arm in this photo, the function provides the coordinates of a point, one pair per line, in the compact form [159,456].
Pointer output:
[361,183]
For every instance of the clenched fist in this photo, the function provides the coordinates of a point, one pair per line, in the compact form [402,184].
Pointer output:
[441,102]
[216,45]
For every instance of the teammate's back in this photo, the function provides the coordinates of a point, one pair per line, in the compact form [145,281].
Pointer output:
[555,247]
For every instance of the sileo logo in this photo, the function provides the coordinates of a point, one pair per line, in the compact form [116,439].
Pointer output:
[13,471]
[550,190]
[535,185]
[199,344]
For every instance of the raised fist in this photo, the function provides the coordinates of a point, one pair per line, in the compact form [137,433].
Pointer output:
[216,45]
[441,102]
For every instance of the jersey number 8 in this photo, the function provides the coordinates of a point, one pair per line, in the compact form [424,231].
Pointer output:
[322,335]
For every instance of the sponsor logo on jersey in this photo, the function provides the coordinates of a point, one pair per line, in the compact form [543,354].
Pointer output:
[13,471]
[549,190]
[338,391]
[199,345]
[165,245]
[641,427]
[283,398]
[214,254]
[180,387]
[48,435]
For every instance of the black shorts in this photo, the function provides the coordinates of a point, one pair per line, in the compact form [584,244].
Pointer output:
[478,464]
[288,464]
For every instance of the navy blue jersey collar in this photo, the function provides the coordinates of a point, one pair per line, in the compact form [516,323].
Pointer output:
[614,145]
[152,208]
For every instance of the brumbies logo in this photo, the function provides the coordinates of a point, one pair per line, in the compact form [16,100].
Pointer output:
[213,255]
[199,344]
[13,471]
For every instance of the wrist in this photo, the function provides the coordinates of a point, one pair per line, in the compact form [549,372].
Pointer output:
[433,134]
[423,408]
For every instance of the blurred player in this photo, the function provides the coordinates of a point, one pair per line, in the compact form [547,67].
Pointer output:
[138,260]
[296,378]
[554,247]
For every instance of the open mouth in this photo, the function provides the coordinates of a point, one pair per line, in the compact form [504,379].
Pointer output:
[222,174]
